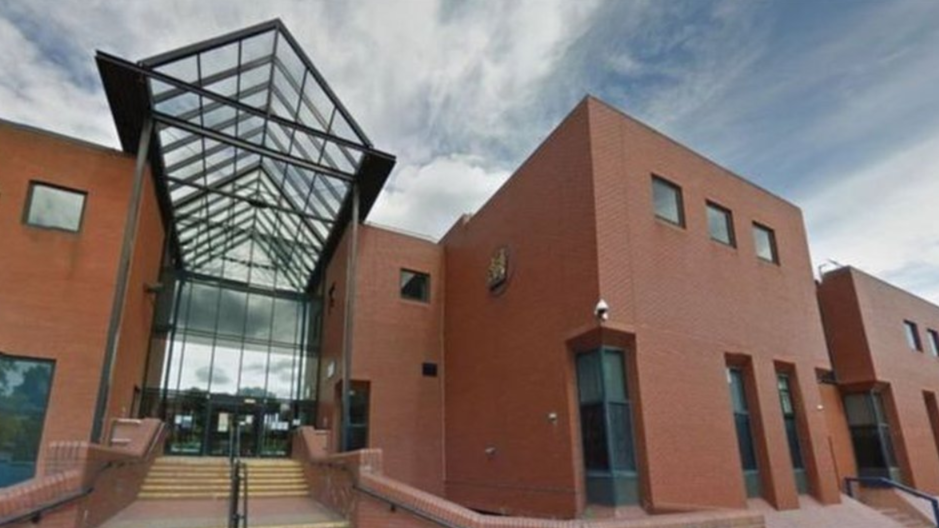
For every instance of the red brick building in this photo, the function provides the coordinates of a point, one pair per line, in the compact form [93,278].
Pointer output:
[885,349]
[624,323]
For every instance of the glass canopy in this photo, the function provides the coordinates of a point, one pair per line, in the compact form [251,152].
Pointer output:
[255,154]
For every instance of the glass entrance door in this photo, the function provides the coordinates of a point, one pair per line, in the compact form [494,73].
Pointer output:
[233,428]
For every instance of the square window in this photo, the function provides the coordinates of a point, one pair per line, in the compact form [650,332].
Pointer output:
[721,224]
[912,335]
[666,198]
[933,342]
[764,240]
[54,207]
[415,285]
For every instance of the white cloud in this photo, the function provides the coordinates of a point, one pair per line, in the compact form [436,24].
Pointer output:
[429,198]
[884,219]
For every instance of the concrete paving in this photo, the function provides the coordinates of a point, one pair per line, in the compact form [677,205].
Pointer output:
[849,513]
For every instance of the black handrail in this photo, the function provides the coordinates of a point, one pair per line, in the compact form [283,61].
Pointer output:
[35,515]
[883,482]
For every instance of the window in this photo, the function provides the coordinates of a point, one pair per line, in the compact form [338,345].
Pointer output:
[54,207]
[870,434]
[745,444]
[606,426]
[24,395]
[787,401]
[764,239]
[933,342]
[666,197]
[912,335]
[721,224]
[357,429]
[415,285]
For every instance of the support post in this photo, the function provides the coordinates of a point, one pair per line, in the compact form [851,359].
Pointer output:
[349,313]
[120,286]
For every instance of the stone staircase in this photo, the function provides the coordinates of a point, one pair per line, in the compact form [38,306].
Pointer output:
[209,478]
[902,518]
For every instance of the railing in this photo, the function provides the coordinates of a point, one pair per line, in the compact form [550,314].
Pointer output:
[237,518]
[36,514]
[239,494]
[882,482]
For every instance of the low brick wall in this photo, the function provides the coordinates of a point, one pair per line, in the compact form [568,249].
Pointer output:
[353,484]
[92,482]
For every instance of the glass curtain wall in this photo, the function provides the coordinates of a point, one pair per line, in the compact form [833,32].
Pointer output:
[233,366]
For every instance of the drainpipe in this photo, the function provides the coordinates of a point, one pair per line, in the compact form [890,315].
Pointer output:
[120,286]
[349,315]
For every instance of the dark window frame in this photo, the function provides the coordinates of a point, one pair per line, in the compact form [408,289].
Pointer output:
[425,298]
[789,403]
[680,201]
[605,401]
[933,341]
[728,216]
[29,205]
[911,331]
[773,244]
[53,363]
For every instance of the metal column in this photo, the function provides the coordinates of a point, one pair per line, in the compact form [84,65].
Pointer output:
[349,313]
[120,286]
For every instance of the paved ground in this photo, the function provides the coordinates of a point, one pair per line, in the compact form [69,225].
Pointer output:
[196,513]
[849,513]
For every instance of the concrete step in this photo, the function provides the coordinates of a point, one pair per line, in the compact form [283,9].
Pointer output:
[179,488]
[209,481]
[208,494]
[903,518]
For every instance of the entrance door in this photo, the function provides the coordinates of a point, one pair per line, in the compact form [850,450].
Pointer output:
[233,428]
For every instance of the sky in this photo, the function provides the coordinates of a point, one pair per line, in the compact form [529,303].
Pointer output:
[832,105]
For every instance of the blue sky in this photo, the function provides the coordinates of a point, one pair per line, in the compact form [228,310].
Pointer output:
[834,105]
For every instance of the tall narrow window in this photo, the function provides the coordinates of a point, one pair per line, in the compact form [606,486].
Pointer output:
[666,198]
[357,429]
[764,240]
[721,224]
[870,435]
[741,408]
[932,409]
[933,342]
[24,395]
[54,207]
[415,285]
[912,335]
[607,428]
[787,401]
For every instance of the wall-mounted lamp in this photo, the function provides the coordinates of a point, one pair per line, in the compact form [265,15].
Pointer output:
[553,417]
[153,288]
[490,451]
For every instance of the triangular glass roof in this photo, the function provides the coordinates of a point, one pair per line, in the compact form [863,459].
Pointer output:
[255,154]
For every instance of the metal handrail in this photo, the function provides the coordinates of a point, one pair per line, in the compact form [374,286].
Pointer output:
[35,515]
[883,482]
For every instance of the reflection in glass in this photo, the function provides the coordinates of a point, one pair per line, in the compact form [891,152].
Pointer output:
[24,396]
[55,207]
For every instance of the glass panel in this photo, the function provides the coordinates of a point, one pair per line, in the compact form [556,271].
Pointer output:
[867,447]
[720,224]
[621,437]
[24,396]
[614,372]
[912,335]
[232,309]
[589,384]
[765,242]
[254,365]
[55,207]
[286,321]
[282,375]
[218,60]
[593,433]
[414,285]
[859,409]
[667,200]
[257,47]
[933,342]
[792,434]
[745,442]
[737,393]
[260,311]
[196,365]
